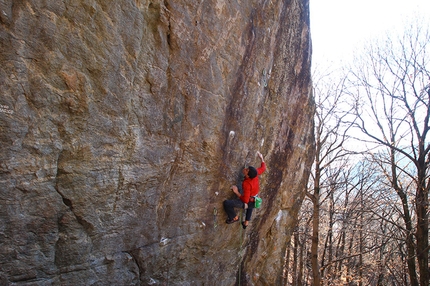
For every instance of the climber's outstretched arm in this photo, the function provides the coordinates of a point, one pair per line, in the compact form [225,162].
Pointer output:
[263,164]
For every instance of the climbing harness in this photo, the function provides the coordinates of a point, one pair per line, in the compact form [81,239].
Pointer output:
[264,78]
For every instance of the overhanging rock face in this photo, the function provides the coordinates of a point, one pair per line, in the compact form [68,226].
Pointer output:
[123,125]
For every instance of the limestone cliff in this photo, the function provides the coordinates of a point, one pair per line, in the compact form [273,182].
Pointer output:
[122,125]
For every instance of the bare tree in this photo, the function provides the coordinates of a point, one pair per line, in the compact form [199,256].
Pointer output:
[367,223]
[393,110]
[359,227]
[330,135]
[295,272]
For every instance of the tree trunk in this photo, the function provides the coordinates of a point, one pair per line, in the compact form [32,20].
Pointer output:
[422,234]
[295,256]
[361,240]
[315,233]
[302,245]
[287,263]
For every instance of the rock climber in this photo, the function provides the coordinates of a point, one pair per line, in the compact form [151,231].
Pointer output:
[246,200]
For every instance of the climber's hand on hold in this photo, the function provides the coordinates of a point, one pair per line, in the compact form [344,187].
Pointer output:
[235,190]
[261,156]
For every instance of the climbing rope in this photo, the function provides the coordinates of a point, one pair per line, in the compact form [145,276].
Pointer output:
[241,245]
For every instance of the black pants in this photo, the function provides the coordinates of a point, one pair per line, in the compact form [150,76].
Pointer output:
[230,205]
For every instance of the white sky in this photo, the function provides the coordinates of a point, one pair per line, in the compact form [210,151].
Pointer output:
[340,27]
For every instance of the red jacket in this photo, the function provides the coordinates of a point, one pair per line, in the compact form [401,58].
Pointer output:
[251,187]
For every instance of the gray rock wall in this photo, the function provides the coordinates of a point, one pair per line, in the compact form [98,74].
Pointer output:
[123,124]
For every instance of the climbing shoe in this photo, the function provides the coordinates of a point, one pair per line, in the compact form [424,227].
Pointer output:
[229,221]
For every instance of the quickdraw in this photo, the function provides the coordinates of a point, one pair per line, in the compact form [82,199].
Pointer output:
[215,220]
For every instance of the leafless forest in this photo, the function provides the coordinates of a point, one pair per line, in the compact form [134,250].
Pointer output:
[365,220]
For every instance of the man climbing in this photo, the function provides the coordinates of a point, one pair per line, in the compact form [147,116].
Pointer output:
[250,188]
